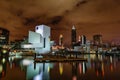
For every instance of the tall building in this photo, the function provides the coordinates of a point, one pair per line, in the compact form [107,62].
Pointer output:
[79,39]
[83,40]
[61,40]
[4,36]
[97,39]
[73,36]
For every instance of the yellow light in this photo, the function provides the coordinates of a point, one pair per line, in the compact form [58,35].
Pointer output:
[1,68]
[4,51]
[3,60]
[61,36]
[61,68]
[48,69]
[103,72]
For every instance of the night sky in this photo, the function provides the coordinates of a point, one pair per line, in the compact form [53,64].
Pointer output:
[88,16]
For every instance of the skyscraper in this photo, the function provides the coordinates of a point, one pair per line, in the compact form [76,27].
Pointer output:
[61,40]
[73,36]
[83,40]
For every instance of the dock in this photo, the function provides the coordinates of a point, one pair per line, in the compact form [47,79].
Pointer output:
[61,59]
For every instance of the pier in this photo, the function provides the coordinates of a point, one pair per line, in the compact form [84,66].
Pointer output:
[57,58]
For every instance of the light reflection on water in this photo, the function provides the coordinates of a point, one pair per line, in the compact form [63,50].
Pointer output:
[98,67]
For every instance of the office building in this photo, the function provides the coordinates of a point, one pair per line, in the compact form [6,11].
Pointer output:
[61,40]
[83,40]
[73,36]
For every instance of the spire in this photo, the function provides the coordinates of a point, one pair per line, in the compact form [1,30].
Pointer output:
[73,27]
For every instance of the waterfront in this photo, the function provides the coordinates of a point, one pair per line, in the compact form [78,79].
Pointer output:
[97,67]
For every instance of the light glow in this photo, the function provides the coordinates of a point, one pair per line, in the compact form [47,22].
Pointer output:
[26,62]
[48,68]
[61,68]
[74,78]
[80,68]
[111,67]
[39,77]
[3,60]
[103,72]
[4,51]
[83,68]
[27,46]
[1,68]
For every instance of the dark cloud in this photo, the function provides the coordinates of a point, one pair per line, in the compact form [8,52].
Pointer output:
[81,2]
[19,13]
[56,19]
[67,11]
[30,21]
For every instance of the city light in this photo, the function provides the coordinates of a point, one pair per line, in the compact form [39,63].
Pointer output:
[1,68]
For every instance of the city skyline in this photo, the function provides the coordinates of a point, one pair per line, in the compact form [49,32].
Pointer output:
[89,17]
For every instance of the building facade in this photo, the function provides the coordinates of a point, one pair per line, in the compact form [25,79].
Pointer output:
[61,40]
[4,36]
[83,40]
[40,39]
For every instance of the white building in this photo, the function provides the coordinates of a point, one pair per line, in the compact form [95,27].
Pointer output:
[40,39]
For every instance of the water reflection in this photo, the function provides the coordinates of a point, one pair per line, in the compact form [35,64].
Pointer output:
[78,69]
[98,67]
[3,63]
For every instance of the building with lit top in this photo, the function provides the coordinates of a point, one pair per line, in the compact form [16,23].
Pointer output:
[73,36]
[61,40]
